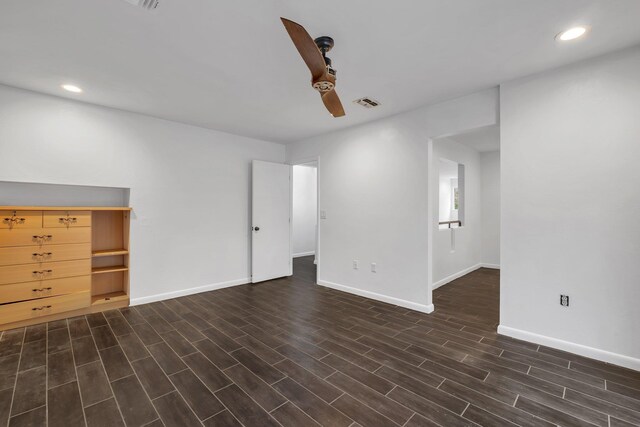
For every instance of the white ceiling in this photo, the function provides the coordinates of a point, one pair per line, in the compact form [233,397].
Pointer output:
[483,139]
[230,65]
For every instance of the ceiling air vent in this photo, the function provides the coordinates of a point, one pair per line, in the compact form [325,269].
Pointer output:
[145,4]
[367,102]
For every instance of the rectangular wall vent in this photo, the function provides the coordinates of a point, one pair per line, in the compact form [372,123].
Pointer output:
[367,102]
[145,4]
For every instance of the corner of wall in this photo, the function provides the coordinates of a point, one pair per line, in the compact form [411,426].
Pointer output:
[488,265]
[455,276]
[423,308]
[189,291]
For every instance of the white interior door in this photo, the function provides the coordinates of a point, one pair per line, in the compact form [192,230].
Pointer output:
[271,225]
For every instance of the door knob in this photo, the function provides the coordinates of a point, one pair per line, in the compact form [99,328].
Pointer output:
[256,228]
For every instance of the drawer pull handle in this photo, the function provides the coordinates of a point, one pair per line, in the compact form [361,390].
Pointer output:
[42,273]
[13,220]
[67,220]
[43,238]
[42,255]
[42,289]
[41,308]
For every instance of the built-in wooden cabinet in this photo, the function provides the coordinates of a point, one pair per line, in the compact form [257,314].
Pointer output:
[58,262]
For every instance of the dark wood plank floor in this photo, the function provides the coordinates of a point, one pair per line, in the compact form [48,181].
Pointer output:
[290,353]
[304,268]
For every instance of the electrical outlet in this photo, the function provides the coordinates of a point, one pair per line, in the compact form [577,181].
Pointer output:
[355,264]
[564,300]
[373,267]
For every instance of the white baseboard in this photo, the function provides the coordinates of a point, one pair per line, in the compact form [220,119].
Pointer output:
[461,273]
[493,266]
[582,350]
[424,308]
[189,291]
[301,254]
[455,276]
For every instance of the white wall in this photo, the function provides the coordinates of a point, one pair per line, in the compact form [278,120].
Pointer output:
[571,208]
[190,187]
[305,209]
[32,194]
[490,200]
[373,187]
[457,251]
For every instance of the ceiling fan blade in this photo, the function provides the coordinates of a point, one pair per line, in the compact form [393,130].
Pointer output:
[307,47]
[333,104]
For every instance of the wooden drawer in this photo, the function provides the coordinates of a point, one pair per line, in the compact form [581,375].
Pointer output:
[46,288]
[66,219]
[18,311]
[20,219]
[20,237]
[50,253]
[44,271]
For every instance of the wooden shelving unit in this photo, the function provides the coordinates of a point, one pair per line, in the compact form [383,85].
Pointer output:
[81,255]
[109,269]
[109,252]
[110,257]
[109,298]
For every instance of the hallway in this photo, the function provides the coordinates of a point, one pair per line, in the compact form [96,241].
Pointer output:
[474,298]
[305,269]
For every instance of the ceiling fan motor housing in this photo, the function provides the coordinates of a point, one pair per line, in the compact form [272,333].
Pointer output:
[325,44]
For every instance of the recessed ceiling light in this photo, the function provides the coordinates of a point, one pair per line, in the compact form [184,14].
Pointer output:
[571,34]
[72,88]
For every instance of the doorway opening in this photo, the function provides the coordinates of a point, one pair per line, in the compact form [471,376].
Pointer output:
[304,221]
[465,219]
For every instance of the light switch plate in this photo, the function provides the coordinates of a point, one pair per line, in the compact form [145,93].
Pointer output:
[323,214]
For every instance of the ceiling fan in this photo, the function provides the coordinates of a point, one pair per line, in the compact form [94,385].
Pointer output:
[314,54]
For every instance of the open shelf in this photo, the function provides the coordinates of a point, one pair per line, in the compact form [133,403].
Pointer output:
[109,298]
[109,269]
[110,259]
[109,252]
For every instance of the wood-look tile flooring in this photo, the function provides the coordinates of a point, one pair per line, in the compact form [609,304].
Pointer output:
[290,353]
[305,269]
